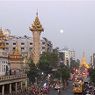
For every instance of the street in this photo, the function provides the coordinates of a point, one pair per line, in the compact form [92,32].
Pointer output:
[66,91]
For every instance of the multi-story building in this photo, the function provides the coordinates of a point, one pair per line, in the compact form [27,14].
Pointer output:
[4,66]
[65,56]
[46,45]
[93,60]
[25,45]
[72,54]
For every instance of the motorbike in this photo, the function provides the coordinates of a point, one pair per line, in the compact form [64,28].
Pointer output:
[58,90]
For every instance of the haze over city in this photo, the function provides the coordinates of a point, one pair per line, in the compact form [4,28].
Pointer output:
[75,17]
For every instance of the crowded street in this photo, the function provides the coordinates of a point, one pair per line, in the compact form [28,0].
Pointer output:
[47,47]
[52,91]
[66,91]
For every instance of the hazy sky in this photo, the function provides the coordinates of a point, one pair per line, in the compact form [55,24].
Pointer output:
[75,17]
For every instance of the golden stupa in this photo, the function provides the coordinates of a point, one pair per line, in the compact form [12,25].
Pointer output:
[83,62]
[36,26]
[15,54]
[2,39]
[15,59]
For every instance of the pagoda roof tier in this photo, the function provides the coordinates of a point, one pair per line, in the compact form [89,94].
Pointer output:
[2,34]
[2,39]
[16,54]
[36,26]
[15,57]
[2,46]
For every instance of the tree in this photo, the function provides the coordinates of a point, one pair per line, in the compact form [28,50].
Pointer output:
[74,64]
[65,73]
[92,75]
[48,61]
[43,65]
[62,73]
[33,72]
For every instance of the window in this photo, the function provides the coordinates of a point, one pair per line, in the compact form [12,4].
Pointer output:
[43,47]
[22,43]
[22,48]
[43,43]
[4,68]
[7,48]
[14,48]
[31,43]
[7,43]
[14,43]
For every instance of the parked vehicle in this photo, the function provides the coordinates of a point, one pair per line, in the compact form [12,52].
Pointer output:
[77,87]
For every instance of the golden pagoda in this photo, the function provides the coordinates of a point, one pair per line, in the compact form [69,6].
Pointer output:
[36,26]
[16,56]
[84,62]
[15,59]
[2,39]
[36,29]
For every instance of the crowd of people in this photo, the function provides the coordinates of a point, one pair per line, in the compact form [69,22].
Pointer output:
[35,90]
[45,89]
[89,89]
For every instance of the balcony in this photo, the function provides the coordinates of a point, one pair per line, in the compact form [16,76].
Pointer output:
[12,77]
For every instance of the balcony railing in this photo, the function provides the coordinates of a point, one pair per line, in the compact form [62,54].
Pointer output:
[12,77]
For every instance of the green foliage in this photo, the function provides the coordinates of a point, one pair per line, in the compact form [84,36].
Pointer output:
[74,64]
[56,74]
[65,73]
[48,61]
[92,76]
[62,73]
[51,58]
[32,73]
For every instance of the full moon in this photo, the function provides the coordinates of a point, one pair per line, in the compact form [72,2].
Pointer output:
[61,31]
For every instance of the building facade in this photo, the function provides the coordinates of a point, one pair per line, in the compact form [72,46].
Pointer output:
[25,45]
[46,45]
[10,84]
[92,60]
[4,64]
[65,56]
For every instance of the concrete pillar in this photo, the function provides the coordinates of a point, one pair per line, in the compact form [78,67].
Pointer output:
[26,84]
[10,88]
[3,89]
[16,87]
[21,84]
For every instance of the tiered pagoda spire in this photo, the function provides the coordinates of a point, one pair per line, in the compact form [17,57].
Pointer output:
[36,26]
[84,62]
[36,29]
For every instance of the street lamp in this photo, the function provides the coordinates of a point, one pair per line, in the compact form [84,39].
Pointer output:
[42,73]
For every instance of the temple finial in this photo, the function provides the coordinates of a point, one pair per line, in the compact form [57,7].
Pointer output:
[37,13]
[83,53]
[36,26]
